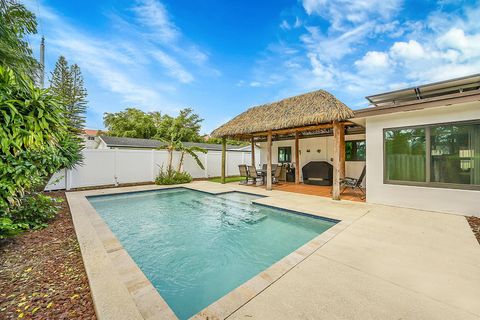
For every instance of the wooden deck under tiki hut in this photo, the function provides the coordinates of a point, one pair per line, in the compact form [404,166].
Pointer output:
[303,114]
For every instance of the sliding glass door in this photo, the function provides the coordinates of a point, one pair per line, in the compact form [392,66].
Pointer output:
[443,155]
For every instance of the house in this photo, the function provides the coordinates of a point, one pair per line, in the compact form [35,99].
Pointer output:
[420,145]
[108,142]
[90,138]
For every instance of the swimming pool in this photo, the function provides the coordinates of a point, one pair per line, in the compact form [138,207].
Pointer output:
[195,247]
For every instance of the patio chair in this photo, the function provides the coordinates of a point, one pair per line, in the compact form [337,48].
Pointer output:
[243,173]
[252,175]
[276,175]
[354,184]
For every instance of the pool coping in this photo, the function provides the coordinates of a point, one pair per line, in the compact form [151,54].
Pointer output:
[128,294]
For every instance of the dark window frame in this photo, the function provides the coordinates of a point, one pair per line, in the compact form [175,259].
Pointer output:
[356,158]
[289,153]
[427,183]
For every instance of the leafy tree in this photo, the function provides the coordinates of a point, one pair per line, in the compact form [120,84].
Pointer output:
[186,126]
[16,22]
[132,123]
[135,123]
[67,85]
[35,143]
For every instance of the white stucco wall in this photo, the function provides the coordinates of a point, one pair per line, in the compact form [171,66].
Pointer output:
[321,149]
[456,201]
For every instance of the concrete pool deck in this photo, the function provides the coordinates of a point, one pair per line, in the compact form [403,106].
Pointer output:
[382,263]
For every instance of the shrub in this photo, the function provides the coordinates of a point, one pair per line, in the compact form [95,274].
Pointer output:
[8,228]
[171,176]
[35,210]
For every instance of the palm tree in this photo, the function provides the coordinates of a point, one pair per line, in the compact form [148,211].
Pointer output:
[191,150]
[170,145]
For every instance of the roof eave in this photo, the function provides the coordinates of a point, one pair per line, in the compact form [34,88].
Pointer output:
[457,98]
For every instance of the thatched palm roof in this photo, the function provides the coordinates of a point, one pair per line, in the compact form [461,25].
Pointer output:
[311,108]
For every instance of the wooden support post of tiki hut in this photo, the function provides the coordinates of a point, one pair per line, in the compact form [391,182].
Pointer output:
[269,161]
[253,151]
[338,158]
[297,158]
[224,156]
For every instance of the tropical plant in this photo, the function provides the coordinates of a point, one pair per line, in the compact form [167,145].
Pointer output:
[192,151]
[170,176]
[67,85]
[35,142]
[173,143]
[170,145]
[16,22]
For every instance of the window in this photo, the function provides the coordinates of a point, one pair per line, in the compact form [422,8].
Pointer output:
[355,150]
[91,138]
[284,154]
[455,153]
[439,155]
[405,154]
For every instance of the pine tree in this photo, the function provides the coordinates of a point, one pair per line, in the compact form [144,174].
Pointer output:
[67,85]
[79,98]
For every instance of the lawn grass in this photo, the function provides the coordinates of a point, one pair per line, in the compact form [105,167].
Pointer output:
[227,179]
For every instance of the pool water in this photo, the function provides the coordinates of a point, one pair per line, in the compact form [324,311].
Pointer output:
[195,247]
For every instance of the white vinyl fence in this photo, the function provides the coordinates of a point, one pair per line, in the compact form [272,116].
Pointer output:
[117,166]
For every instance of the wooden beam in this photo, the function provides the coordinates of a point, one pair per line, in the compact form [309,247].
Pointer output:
[269,161]
[253,151]
[337,137]
[298,129]
[224,157]
[297,159]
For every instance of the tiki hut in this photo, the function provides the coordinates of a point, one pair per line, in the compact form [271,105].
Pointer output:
[309,109]
[309,112]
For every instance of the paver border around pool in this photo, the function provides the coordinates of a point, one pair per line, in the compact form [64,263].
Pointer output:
[128,294]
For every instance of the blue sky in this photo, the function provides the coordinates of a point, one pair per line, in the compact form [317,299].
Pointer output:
[221,57]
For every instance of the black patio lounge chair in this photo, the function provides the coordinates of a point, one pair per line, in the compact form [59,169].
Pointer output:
[252,175]
[354,184]
[243,173]
[276,176]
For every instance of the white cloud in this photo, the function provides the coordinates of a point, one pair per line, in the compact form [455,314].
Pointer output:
[335,47]
[285,25]
[373,62]
[298,23]
[152,14]
[455,38]
[410,50]
[175,69]
[341,13]
[109,66]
